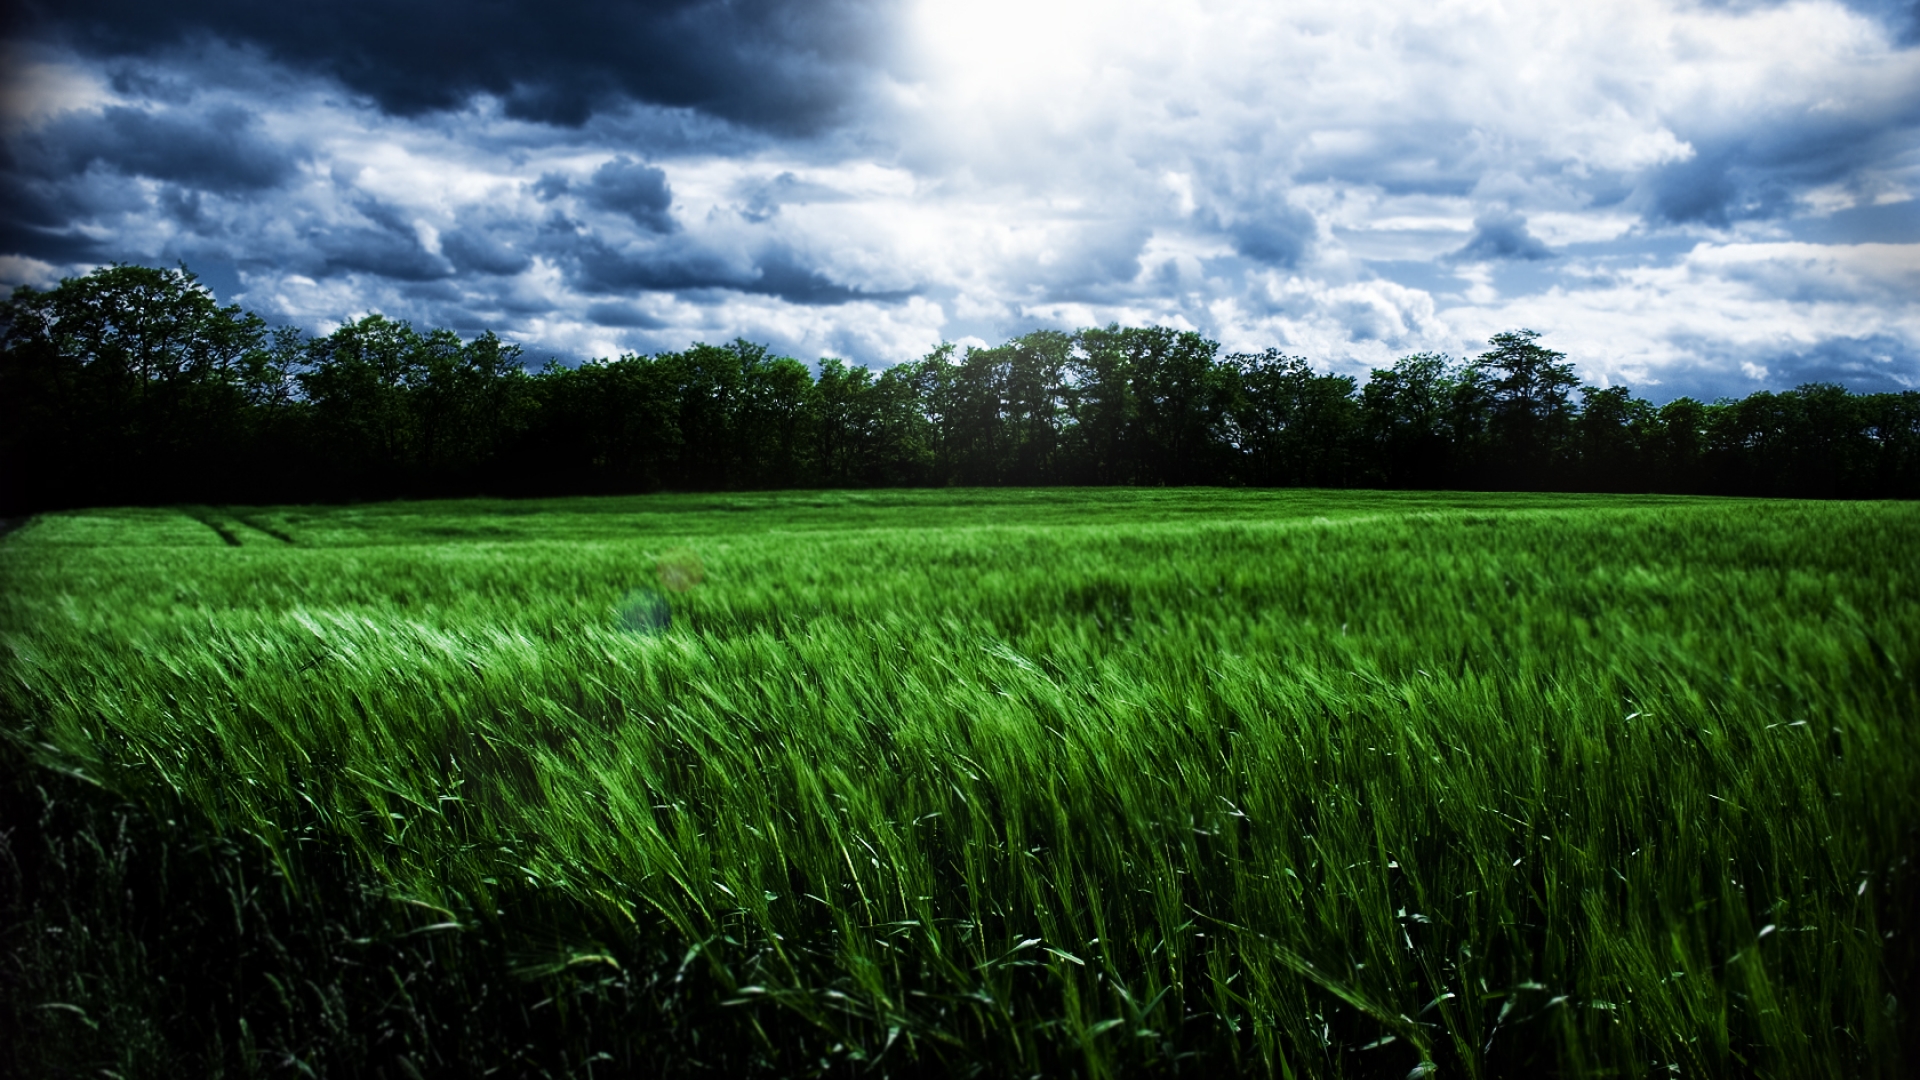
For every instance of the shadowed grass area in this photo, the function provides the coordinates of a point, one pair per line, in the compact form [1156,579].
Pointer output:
[1071,782]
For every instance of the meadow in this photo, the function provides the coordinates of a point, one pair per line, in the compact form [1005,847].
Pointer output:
[1003,782]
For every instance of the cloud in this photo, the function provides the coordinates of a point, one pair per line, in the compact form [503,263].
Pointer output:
[783,274]
[89,167]
[683,266]
[479,250]
[599,267]
[1276,235]
[1890,223]
[1902,17]
[1727,319]
[1714,369]
[624,314]
[1675,191]
[218,149]
[625,186]
[1768,170]
[761,198]
[373,237]
[58,246]
[1501,235]
[781,65]
[384,252]
[1866,364]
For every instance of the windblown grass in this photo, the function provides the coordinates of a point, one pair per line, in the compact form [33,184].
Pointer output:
[1068,782]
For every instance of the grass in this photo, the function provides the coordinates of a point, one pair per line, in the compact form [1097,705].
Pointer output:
[1059,782]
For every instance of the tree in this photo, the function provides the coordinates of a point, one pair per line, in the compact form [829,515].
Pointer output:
[844,424]
[128,384]
[973,417]
[1677,455]
[1529,385]
[1407,413]
[907,435]
[1892,423]
[769,417]
[1036,367]
[133,385]
[357,382]
[470,402]
[1148,405]
[1103,413]
[1614,431]
[1292,427]
[706,383]
[1814,441]
[608,426]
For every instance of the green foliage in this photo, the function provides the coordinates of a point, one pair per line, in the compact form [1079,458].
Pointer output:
[131,386]
[1090,782]
[1293,427]
[1406,410]
[1530,387]
[407,408]
[130,382]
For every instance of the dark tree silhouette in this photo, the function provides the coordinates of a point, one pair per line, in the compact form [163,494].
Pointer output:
[1408,413]
[132,385]
[1293,427]
[1530,387]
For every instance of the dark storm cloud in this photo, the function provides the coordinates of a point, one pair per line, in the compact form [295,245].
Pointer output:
[378,251]
[83,168]
[1764,170]
[779,65]
[378,150]
[386,245]
[32,202]
[683,267]
[53,245]
[480,250]
[1500,235]
[1874,363]
[594,266]
[625,186]
[1275,234]
[782,274]
[624,314]
[1865,364]
[221,149]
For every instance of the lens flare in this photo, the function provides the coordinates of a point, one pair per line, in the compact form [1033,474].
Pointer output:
[680,570]
[643,611]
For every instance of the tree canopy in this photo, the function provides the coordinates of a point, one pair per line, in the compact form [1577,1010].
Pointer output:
[133,385]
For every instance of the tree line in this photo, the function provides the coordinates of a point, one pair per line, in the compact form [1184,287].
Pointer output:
[133,385]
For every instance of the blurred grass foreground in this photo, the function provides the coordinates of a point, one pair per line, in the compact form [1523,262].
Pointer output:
[1069,783]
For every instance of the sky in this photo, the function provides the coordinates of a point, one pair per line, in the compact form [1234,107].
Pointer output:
[1704,198]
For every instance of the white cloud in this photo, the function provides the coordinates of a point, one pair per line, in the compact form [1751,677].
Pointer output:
[1647,325]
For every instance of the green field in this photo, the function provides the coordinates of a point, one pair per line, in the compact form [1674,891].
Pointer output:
[1012,782]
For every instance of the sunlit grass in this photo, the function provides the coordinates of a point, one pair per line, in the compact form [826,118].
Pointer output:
[1306,783]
